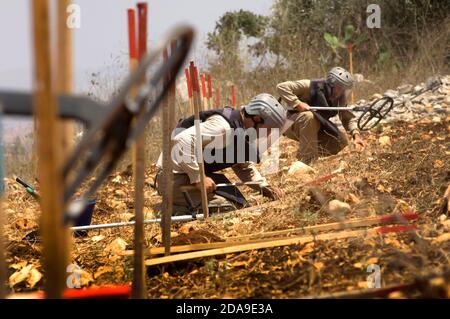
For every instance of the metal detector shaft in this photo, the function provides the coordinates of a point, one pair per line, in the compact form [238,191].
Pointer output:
[329,108]
[183,218]
[188,188]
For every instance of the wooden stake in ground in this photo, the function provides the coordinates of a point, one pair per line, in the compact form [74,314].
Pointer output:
[204,97]
[49,157]
[350,62]
[168,126]
[217,98]
[167,208]
[64,80]
[233,96]
[139,287]
[2,222]
[173,90]
[307,230]
[199,144]
[365,233]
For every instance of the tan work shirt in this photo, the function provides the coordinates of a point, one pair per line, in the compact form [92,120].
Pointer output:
[215,127]
[294,92]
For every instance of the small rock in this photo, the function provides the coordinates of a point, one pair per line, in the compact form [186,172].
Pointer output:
[442,218]
[300,168]
[447,100]
[436,119]
[117,246]
[392,93]
[97,238]
[418,88]
[376,96]
[406,88]
[384,141]
[338,209]
[9,211]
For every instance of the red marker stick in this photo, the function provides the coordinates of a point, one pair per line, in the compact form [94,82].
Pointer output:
[132,34]
[203,85]
[210,86]
[233,96]
[188,83]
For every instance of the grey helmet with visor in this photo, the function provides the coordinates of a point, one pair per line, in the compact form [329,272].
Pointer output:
[340,76]
[268,108]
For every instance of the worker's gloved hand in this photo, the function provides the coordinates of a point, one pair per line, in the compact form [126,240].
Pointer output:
[209,185]
[273,193]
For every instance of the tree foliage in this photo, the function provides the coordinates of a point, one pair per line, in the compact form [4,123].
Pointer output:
[299,32]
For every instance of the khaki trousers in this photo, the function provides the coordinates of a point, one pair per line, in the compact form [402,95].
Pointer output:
[313,141]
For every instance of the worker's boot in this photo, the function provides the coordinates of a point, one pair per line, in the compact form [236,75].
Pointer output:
[331,145]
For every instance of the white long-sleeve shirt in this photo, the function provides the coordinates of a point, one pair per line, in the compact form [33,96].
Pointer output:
[216,129]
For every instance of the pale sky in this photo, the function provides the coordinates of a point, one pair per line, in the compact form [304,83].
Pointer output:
[103,33]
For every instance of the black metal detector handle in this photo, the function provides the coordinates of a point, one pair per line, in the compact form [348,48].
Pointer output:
[326,125]
[127,117]
[80,108]
[23,183]
[28,188]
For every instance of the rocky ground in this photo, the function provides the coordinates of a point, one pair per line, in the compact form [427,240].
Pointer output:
[405,167]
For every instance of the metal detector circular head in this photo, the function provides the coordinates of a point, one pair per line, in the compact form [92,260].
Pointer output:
[375,113]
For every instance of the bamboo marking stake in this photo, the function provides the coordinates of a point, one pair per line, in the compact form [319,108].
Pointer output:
[64,80]
[233,96]
[139,287]
[353,223]
[199,147]
[3,271]
[168,116]
[210,92]
[173,93]
[217,98]
[367,233]
[45,107]
[308,230]
[350,61]
[204,97]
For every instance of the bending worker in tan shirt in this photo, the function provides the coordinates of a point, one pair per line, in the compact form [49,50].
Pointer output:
[316,135]
[227,142]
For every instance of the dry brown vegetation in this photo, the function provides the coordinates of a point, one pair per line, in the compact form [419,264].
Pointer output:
[411,172]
